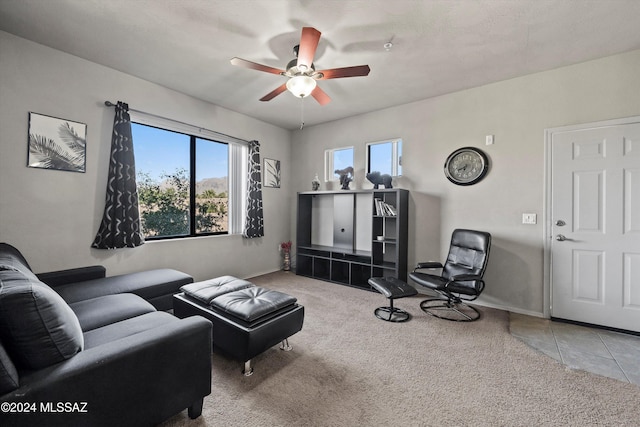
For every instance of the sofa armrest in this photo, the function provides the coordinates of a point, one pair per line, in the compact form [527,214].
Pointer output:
[141,379]
[72,275]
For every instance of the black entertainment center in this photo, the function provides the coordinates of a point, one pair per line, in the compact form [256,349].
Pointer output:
[347,237]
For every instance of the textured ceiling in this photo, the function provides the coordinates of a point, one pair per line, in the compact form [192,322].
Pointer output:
[438,46]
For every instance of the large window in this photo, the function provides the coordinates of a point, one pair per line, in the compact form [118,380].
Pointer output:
[183,183]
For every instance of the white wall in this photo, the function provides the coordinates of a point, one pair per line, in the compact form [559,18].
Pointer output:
[52,216]
[516,111]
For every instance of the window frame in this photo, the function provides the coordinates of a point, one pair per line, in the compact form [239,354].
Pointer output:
[236,179]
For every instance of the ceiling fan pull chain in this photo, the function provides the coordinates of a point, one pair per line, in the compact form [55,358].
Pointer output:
[301,112]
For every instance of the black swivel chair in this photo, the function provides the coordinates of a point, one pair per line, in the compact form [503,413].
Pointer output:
[461,277]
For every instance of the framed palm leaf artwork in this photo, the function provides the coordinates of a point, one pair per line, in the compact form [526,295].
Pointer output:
[56,143]
[272,173]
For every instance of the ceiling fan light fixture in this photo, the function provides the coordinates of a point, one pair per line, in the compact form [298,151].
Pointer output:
[301,71]
[301,86]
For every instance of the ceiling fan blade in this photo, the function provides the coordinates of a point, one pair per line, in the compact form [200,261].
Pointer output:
[320,96]
[239,62]
[337,73]
[308,44]
[274,93]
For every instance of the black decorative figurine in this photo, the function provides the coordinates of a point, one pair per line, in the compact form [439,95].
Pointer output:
[376,179]
[346,176]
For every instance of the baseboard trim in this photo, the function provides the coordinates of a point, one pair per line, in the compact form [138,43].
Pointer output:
[496,306]
[511,309]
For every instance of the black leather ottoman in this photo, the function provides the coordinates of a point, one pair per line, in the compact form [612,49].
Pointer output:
[247,319]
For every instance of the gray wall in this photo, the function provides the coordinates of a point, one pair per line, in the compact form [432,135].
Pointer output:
[52,216]
[516,111]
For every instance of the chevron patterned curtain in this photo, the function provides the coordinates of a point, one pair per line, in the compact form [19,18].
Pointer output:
[254,224]
[120,225]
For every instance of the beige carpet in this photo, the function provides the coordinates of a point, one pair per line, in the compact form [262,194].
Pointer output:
[348,368]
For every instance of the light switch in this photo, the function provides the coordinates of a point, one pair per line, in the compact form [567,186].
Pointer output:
[529,218]
[489,140]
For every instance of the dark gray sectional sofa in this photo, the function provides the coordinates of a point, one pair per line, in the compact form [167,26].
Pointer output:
[81,349]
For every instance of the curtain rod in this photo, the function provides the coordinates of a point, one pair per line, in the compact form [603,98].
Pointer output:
[111,104]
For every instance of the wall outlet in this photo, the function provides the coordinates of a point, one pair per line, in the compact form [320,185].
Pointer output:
[529,218]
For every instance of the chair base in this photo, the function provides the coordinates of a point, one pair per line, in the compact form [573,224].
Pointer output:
[392,314]
[392,288]
[450,310]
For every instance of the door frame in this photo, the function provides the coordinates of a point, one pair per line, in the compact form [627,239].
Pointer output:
[547,205]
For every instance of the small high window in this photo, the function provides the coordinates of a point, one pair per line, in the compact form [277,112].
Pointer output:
[337,159]
[385,157]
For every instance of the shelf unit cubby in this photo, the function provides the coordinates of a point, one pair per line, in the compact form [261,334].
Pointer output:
[346,237]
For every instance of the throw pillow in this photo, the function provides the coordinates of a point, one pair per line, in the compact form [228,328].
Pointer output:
[12,259]
[37,327]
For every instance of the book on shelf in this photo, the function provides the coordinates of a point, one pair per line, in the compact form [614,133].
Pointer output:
[392,210]
[384,209]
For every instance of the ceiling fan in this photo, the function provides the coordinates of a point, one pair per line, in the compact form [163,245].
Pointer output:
[301,71]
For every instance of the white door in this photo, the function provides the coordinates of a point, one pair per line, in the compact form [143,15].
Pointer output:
[595,225]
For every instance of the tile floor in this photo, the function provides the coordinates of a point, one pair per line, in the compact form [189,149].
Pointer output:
[612,354]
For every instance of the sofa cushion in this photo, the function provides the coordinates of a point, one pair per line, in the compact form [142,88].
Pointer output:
[125,328]
[9,380]
[37,327]
[97,312]
[146,284]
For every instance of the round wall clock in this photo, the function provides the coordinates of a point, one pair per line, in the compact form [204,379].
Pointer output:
[466,166]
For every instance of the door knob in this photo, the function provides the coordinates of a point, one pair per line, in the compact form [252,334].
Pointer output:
[560,223]
[561,238]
